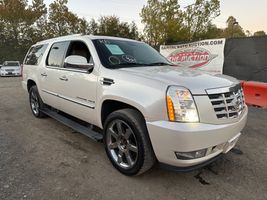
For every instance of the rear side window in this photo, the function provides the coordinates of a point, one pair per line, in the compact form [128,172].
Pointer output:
[57,54]
[35,55]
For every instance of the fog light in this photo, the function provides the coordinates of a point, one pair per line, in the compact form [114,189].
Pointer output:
[191,155]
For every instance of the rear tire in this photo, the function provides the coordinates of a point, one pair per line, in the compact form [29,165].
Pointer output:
[36,102]
[127,143]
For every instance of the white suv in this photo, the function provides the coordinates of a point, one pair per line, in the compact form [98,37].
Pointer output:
[144,109]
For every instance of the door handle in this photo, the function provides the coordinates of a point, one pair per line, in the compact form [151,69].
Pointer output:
[106,81]
[63,78]
[44,74]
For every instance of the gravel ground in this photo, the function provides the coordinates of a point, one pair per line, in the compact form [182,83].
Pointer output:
[43,159]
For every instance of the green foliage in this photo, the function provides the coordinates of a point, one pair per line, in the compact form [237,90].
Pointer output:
[22,25]
[93,26]
[259,33]
[111,26]
[211,31]
[166,22]
[163,21]
[198,17]
[233,29]
[61,21]
[18,21]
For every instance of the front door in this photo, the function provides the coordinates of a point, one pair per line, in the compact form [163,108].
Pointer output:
[77,88]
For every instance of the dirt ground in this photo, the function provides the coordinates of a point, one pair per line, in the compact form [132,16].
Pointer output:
[43,159]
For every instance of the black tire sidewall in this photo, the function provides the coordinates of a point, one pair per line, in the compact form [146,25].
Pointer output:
[140,159]
[34,90]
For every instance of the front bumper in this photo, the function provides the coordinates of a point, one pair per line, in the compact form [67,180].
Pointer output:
[10,74]
[191,168]
[170,137]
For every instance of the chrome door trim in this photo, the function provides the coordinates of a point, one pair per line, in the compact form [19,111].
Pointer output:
[68,69]
[71,100]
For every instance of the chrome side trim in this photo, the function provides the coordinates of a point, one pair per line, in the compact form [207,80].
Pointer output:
[70,99]
[48,92]
[68,69]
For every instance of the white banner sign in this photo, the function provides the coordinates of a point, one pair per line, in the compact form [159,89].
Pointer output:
[207,55]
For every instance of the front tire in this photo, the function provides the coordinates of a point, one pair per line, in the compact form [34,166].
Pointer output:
[36,102]
[127,143]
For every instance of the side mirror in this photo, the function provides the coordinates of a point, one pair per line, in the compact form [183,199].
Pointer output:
[78,62]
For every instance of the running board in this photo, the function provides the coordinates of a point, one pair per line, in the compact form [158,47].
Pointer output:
[74,125]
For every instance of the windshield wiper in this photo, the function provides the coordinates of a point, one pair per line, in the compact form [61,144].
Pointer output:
[160,64]
[121,65]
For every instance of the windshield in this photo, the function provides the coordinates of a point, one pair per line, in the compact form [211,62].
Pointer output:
[11,64]
[121,53]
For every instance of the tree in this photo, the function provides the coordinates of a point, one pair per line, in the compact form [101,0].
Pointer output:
[134,34]
[198,17]
[108,25]
[211,32]
[23,24]
[166,23]
[112,26]
[93,27]
[172,21]
[36,32]
[151,18]
[61,21]
[18,21]
[233,29]
[84,27]
[248,33]
[259,33]
[163,21]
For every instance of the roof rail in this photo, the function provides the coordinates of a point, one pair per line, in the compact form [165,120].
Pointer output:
[61,37]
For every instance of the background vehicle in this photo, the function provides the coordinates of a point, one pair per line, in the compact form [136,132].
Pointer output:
[143,108]
[10,68]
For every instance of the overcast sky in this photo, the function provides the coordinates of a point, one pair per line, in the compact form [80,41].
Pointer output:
[251,14]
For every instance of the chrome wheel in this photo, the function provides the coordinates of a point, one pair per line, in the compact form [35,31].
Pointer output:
[122,144]
[34,103]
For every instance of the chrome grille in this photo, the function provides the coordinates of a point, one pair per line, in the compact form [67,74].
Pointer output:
[9,70]
[227,104]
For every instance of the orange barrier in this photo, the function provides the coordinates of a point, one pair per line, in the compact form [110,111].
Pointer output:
[255,93]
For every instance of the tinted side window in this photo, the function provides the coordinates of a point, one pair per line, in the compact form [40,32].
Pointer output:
[57,54]
[35,55]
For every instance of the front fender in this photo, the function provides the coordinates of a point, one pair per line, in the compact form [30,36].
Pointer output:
[150,101]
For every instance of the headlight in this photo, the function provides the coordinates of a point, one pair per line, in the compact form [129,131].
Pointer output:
[181,105]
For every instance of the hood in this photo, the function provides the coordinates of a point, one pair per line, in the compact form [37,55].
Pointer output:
[10,67]
[196,81]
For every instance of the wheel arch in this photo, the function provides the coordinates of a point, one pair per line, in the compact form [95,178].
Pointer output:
[110,105]
[30,83]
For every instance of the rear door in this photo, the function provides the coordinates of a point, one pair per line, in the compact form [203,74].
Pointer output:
[34,65]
